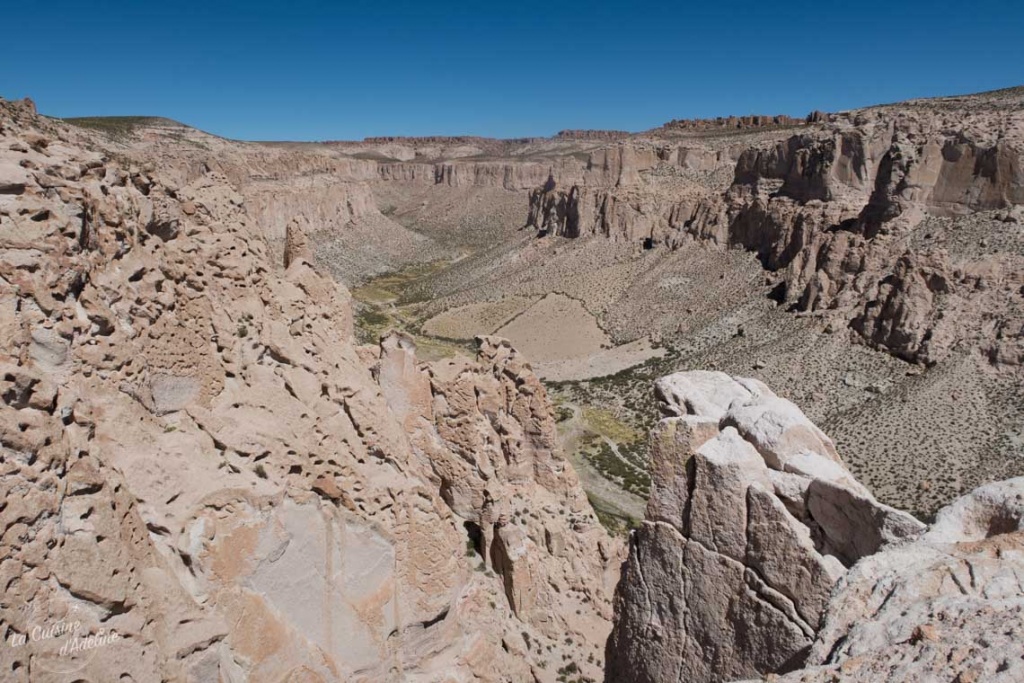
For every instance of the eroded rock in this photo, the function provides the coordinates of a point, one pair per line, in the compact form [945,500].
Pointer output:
[752,521]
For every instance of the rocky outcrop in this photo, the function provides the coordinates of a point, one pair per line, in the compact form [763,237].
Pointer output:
[726,123]
[751,522]
[948,606]
[197,459]
[600,135]
[486,429]
[296,246]
[761,556]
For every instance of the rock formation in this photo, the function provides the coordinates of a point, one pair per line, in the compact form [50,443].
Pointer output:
[197,458]
[761,554]
[751,521]
[741,122]
[487,431]
[846,211]
[949,606]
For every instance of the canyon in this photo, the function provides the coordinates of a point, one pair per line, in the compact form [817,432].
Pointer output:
[378,410]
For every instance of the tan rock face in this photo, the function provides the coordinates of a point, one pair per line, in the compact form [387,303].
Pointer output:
[487,431]
[197,458]
[752,520]
[296,246]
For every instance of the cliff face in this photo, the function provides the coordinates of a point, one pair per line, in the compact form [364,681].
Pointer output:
[865,217]
[761,554]
[329,195]
[197,458]
[616,165]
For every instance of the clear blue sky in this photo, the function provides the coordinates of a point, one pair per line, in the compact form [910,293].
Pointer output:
[305,70]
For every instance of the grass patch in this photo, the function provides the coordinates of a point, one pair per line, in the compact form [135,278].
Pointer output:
[602,421]
[378,312]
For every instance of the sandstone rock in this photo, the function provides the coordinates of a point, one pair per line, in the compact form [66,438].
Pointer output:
[779,431]
[702,393]
[989,510]
[752,520]
[13,178]
[947,606]
[854,524]
[295,244]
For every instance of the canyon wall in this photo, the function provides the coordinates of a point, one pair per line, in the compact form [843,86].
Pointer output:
[867,218]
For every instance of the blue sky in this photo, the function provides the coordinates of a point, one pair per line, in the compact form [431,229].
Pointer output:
[305,70]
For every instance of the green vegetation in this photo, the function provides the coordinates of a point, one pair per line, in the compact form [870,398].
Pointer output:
[619,411]
[399,286]
[602,421]
[615,465]
[384,304]
[563,413]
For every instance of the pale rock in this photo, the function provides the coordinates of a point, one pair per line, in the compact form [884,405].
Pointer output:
[673,443]
[700,392]
[296,246]
[988,510]
[854,524]
[779,431]
[751,523]
[724,468]
[13,178]
[948,606]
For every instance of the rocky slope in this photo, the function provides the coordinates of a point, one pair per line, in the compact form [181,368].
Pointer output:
[761,554]
[328,193]
[197,458]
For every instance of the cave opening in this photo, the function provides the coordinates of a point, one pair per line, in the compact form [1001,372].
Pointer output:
[476,538]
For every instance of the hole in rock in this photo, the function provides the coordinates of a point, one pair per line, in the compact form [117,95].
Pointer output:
[476,537]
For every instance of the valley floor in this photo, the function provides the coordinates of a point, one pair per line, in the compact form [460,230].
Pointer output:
[599,321]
